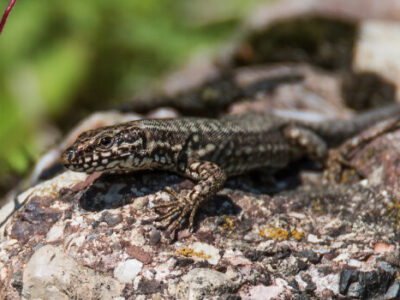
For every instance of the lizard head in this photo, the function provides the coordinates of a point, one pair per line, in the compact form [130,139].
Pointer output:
[113,148]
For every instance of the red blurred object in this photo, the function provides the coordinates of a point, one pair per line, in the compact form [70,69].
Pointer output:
[5,15]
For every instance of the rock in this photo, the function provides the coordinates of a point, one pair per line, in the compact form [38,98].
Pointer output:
[355,290]
[314,239]
[291,236]
[311,256]
[206,251]
[383,248]
[261,292]
[313,231]
[126,271]
[50,274]
[291,266]
[377,50]
[393,291]
[386,267]
[365,284]
[347,277]
[200,283]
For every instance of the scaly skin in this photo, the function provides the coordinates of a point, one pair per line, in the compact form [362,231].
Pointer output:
[209,150]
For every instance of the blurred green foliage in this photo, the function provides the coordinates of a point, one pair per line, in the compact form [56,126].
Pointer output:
[60,60]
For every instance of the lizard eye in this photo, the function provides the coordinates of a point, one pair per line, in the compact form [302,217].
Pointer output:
[106,141]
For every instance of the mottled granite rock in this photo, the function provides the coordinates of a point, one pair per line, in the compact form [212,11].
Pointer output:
[87,236]
[253,239]
[51,274]
[377,50]
[203,282]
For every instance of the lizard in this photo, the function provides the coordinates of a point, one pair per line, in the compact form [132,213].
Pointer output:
[209,150]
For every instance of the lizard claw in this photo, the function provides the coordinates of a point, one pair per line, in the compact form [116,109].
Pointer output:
[182,207]
[334,167]
[172,192]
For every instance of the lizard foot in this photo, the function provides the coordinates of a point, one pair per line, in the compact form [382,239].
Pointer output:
[341,157]
[180,208]
[335,167]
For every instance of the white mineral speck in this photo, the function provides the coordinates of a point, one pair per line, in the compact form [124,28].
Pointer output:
[127,270]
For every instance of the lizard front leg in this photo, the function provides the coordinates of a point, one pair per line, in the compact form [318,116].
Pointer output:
[210,179]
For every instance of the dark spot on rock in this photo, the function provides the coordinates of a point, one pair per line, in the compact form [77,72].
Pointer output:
[111,219]
[284,253]
[13,253]
[311,286]
[155,237]
[183,261]
[219,220]
[265,279]
[92,237]
[202,264]
[331,255]
[68,214]
[229,297]
[22,231]
[37,211]
[364,284]
[367,90]
[254,255]
[95,224]
[302,265]
[130,221]
[374,283]
[325,270]
[335,232]
[347,277]
[311,256]
[291,266]
[293,283]
[245,225]
[36,218]
[397,237]
[148,287]
[205,236]
[302,296]
[16,281]
[221,269]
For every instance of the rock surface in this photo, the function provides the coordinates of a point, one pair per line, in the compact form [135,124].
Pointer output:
[51,274]
[294,236]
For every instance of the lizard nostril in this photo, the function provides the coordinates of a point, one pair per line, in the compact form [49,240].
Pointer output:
[67,157]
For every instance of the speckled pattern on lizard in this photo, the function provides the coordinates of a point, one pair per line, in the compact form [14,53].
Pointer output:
[209,150]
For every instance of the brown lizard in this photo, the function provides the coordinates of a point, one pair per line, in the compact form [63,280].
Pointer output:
[210,150]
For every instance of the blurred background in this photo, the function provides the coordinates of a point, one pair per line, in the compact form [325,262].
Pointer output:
[61,60]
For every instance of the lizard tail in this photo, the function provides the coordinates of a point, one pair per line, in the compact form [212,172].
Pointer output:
[335,132]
